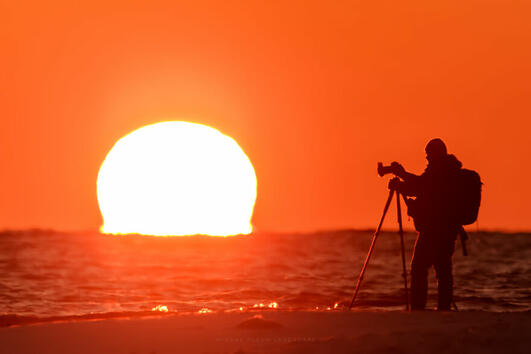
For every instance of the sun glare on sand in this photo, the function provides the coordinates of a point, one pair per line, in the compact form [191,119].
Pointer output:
[176,178]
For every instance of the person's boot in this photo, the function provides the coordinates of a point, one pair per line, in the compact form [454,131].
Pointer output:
[419,289]
[445,289]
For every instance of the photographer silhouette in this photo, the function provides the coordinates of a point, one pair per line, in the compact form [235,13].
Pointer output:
[437,219]
[444,198]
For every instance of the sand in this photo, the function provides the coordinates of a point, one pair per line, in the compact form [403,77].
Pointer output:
[280,332]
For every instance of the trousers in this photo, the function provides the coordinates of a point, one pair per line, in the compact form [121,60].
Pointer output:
[432,249]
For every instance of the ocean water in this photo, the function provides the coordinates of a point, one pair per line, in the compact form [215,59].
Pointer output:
[47,274]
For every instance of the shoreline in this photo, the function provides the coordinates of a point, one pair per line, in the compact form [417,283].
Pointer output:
[14,320]
[280,332]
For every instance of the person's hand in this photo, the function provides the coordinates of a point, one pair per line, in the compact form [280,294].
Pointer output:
[394,183]
[397,169]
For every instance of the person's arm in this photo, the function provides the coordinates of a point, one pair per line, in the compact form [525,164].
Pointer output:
[399,171]
[412,182]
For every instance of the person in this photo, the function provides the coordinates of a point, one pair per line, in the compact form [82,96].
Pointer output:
[434,213]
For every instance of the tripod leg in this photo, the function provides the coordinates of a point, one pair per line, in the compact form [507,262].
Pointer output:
[401,232]
[373,243]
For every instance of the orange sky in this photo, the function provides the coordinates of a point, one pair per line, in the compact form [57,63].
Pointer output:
[316,93]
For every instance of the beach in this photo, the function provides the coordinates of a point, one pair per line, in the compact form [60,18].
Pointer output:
[280,332]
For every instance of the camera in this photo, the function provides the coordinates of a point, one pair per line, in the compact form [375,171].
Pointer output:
[384,170]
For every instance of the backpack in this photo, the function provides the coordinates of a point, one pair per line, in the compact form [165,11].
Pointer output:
[469,196]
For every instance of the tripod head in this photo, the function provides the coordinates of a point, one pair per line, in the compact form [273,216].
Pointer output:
[394,184]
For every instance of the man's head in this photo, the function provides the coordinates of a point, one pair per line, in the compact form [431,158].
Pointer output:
[435,150]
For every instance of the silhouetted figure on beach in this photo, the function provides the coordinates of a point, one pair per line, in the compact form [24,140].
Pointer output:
[437,218]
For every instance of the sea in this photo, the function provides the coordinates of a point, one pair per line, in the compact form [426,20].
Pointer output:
[52,275]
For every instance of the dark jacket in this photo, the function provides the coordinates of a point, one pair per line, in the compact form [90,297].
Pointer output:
[434,208]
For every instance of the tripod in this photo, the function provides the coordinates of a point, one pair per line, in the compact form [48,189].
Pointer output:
[373,243]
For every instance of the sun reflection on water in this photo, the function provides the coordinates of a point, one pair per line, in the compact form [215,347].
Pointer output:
[160,308]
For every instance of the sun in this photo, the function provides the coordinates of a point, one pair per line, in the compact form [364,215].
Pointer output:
[176,178]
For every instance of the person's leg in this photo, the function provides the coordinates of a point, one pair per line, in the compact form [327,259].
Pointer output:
[443,270]
[420,265]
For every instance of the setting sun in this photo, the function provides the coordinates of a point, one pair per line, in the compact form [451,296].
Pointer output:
[176,178]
